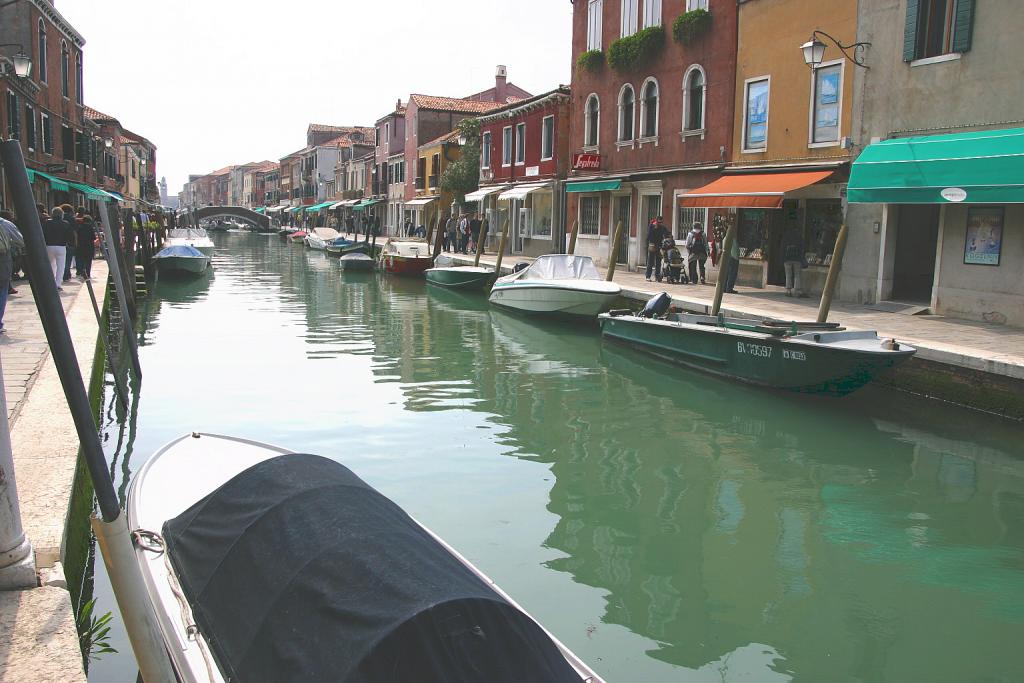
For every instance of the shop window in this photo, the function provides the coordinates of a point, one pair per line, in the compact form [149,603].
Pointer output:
[937,27]
[547,138]
[826,102]
[649,110]
[595,13]
[694,92]
[685,219]
[652,13]
[506,146]
[755,119]
[590,215]
[42,52]
[485,151]
[627,101]
[630,14]
[520,143]
[752,232]
[592,122]
[824,218]
[541,215]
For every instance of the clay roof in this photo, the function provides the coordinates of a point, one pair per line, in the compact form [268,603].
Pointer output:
[324,128]
[222,171]
[95,115]
[453,104]
[447,137]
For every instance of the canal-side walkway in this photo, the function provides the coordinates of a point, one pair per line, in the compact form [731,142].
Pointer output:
[38,638]
[986,349]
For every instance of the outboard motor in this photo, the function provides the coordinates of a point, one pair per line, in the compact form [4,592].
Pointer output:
[522,265]
[657,306]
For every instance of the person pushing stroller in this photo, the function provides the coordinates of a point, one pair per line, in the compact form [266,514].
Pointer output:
[672,262]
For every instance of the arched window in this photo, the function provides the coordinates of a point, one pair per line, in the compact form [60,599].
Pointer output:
[78,78]
[627,103]
[64,68]
[649,109]
[592,122]
[42,51]
[694,98]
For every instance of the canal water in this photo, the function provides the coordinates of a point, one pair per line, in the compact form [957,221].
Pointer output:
[665,525]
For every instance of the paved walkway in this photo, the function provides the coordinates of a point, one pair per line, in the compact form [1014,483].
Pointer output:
[38,639]
[979,346]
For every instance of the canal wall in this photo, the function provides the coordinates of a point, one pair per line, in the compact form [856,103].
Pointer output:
[973,365]
[38,635]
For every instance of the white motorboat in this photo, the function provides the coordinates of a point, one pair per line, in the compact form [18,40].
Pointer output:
[190,237]
[558,284]
[319,238]
[266,565]
[181,259]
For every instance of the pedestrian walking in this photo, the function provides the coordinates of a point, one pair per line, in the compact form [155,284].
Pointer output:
[463,233]
[69,221]
[474,231]
[733,268]
[86,236]
[55,234]
[697,252]
[11,242]
[793,259]
[657,233]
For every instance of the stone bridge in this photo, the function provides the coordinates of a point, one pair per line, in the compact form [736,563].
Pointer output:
[240,212]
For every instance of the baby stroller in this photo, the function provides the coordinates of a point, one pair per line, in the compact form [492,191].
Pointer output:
[672,263]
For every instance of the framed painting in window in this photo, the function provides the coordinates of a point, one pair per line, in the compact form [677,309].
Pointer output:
[984,241]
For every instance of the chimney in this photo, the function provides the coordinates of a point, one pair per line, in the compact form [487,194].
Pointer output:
[398,104]
[501,84]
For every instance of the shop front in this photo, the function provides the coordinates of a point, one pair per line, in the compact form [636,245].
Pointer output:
[951,228]
[769,208]
[485,200]
[531,210]
[422,211]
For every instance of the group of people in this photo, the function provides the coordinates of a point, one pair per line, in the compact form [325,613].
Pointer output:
[70,234]
[665,260]
[462,233]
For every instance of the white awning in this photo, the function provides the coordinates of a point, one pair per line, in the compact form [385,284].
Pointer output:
[350,202]
[335,205]
[520,191]
[421,201]
[483,193]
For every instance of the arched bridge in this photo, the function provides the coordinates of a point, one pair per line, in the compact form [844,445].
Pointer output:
[240,212]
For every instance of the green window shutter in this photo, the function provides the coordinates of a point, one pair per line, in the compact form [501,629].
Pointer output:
[963,26]
[910,30]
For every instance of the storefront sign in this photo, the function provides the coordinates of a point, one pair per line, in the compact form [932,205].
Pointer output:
[984,241]
[583,162]
[954,194]
[532,171]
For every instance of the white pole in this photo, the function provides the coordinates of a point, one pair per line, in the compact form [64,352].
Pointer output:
[17,561]
[132,600]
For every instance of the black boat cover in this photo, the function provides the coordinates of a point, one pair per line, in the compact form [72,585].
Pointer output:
[297,570]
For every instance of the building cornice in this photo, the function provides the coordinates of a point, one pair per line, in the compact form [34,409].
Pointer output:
[51,13]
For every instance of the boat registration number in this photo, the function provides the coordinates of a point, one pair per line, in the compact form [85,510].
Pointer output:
[757,350]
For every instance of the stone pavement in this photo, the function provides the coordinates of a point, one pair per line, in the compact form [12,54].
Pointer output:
[984,347]
[38,639]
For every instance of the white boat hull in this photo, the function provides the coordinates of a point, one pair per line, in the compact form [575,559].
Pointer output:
[555,297]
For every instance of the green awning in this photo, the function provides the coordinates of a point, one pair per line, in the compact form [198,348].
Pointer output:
[296,209]
[90,192]
[259,209]
[593,186]
[980,167]
[55,183]
[366,203]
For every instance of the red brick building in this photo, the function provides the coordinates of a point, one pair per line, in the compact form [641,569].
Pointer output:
[647,134]
[524,158]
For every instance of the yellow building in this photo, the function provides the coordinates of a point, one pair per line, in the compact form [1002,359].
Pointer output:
[791,146]
[430,202]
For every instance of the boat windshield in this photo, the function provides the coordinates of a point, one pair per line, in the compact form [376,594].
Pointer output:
[561,267]
[187,234]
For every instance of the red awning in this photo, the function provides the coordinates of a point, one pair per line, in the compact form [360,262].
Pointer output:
[750,191]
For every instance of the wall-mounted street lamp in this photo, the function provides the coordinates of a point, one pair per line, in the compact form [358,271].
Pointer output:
[814,50]
[22,62]
[108,142]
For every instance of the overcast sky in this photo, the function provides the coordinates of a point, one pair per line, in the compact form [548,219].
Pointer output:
[218,82]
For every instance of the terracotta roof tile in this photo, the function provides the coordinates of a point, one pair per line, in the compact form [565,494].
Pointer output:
[453,104]
[447,137]
[95,115]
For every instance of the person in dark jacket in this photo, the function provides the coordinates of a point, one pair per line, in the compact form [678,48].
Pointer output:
[55,234]
[72,238]
[657,233]
[793,261]
[696,253]
[86,236]
[11,242]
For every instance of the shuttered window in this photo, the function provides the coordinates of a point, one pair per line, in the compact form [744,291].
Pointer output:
[13,117]
[30,128]
[937,27]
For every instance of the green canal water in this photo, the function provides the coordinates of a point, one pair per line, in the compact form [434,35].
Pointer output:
[665,525]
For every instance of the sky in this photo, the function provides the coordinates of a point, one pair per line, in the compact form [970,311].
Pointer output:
[219,82]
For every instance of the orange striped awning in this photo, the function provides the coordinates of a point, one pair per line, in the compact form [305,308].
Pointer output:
[752,191]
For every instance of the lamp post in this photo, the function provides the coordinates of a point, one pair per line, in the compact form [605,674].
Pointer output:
[814,50]
[22,62]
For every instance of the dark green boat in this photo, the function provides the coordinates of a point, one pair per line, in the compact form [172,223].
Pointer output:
[461,277]
[806,357]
